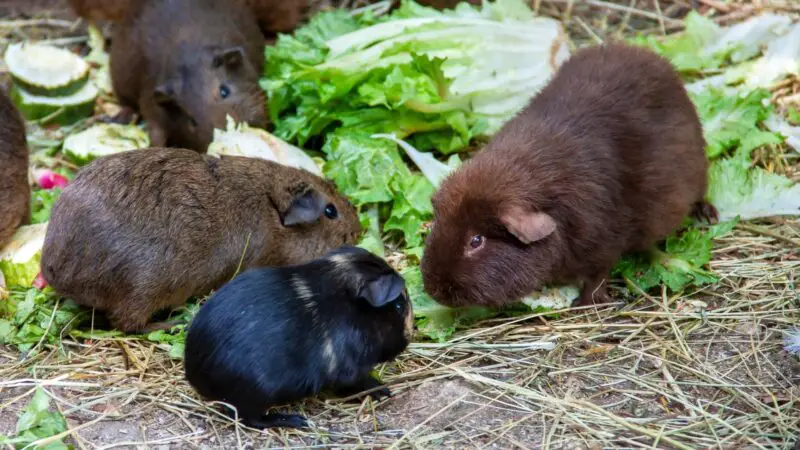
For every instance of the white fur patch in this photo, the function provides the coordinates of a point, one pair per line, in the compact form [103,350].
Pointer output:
[328,354]
[340,261]
[302,289]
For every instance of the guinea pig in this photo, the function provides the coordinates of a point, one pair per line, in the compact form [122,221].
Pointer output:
[608,158]
[277,335]
[141,231]
[186,65]
[15,191]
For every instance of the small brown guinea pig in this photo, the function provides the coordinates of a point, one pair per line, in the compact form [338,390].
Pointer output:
[15,191]
[141,231]
[607,158]
[186,65]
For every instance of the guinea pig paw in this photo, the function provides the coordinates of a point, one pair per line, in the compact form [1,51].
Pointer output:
[276,420]
[380,394]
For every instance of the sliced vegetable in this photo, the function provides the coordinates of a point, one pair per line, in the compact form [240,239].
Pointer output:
[551,298]
[244,140]
[45,70]
[62,110]
[104,139]
[19,260]
[47,179]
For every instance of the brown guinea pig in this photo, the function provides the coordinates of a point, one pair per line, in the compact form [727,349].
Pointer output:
[141,231]
[607,158]
[186,64]
[15,191]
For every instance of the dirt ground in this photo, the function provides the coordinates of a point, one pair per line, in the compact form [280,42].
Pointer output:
[646,372]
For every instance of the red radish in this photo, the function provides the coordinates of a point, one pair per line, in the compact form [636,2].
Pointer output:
[39,282]
[48,179]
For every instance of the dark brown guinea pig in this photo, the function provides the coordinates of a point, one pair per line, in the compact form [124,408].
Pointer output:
[607,158]
[186,64]
[15,191]
[141,231]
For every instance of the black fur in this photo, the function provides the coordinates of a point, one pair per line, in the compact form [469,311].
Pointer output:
[277,335]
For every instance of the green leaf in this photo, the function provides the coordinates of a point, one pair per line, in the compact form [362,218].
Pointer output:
[749,193]
[371,240]
[793,115]
[679,264]
[42,202]
[371,171]
[37,422]
[685,50]
[436,321]
[732,121]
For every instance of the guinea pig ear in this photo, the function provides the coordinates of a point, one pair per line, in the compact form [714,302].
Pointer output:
[528,226]
[230,57]
[306,207]
[382,290]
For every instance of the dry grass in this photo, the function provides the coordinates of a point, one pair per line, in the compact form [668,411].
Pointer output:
[703,369]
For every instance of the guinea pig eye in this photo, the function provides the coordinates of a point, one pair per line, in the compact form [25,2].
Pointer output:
[399,306]
[476,242]
[331,212]
[224,91]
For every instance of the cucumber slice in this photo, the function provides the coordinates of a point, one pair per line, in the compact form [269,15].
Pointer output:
[244,140]
[20,259]
[61,110]
[552,297]
[104,139]
[46,70]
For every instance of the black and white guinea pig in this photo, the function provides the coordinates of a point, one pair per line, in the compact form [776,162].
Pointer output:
[277,335]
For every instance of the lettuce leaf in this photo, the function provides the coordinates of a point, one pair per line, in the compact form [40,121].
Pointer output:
[679,264]
[371,171]
[737,190]
[436,321]
[436,78]
[731,121]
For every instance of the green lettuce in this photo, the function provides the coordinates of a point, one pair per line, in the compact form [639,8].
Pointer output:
[438,78]
[737,190]
[680,263]
[731,121]
[370,170]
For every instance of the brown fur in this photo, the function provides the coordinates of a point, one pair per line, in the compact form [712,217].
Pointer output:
[278,16]
[273,16]
[611,150]
[171,59]
[15,191]
[109,10]
[141,231]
